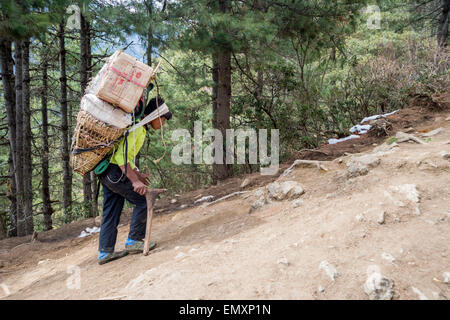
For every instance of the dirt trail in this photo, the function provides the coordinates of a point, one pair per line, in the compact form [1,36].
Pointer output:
[221,251]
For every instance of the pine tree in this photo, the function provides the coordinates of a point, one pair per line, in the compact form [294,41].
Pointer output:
[18,152]
[10,103]
[47,209]
[27,138]
[67,176]
[443,24]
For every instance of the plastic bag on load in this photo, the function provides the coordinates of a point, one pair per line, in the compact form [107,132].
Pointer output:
[105,112]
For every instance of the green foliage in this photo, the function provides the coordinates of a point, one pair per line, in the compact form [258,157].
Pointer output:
[78,211]
[29,18]
[391,140]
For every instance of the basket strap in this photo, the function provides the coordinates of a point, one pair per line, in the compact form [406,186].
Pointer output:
[77,151]
[149,118]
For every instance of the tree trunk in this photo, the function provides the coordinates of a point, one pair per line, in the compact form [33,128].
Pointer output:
[442,29]
[84,30]
[27,159]
[94,186]
[3,232]
[67,175]
[12,197]
[149,5]
[6,63]
[223,105]
[89,179]
[222,115]
[215,76]
[18,152]
[47,209]
[260,81]
[94,178]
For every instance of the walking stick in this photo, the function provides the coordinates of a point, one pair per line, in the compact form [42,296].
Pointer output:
[150,197]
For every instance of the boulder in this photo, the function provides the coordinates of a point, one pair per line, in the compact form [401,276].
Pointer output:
[381,217]
[329,269]
[369,160]
[285,189]
[409,191]
[274,190]
[259,192]
[377,286]
[445,155]
[446,276]
[356,169]
[258,204]
[297,203]
[98,221]
[245,183]
[360,166]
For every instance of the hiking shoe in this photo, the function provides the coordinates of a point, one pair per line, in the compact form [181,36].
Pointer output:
[105,257]
[137,246]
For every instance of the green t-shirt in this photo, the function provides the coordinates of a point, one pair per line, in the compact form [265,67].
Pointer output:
[135,142]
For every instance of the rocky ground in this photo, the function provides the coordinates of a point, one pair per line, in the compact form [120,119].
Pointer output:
[368,225]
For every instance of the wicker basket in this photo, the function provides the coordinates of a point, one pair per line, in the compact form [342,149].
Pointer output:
[90,132]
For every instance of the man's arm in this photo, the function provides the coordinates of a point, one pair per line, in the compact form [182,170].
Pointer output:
[138,185]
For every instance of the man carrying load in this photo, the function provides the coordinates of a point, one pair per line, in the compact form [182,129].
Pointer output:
[122,181]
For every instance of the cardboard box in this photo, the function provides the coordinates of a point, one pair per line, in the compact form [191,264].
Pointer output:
[123,80]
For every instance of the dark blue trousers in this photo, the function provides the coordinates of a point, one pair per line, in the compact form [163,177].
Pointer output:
[116,188]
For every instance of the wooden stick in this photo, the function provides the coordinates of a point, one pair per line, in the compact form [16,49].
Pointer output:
[150,197]
[157,67]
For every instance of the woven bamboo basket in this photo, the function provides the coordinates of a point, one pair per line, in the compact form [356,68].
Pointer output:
[91,132]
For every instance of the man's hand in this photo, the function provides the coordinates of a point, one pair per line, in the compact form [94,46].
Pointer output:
[134,176]
[143,177]
[139,187]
